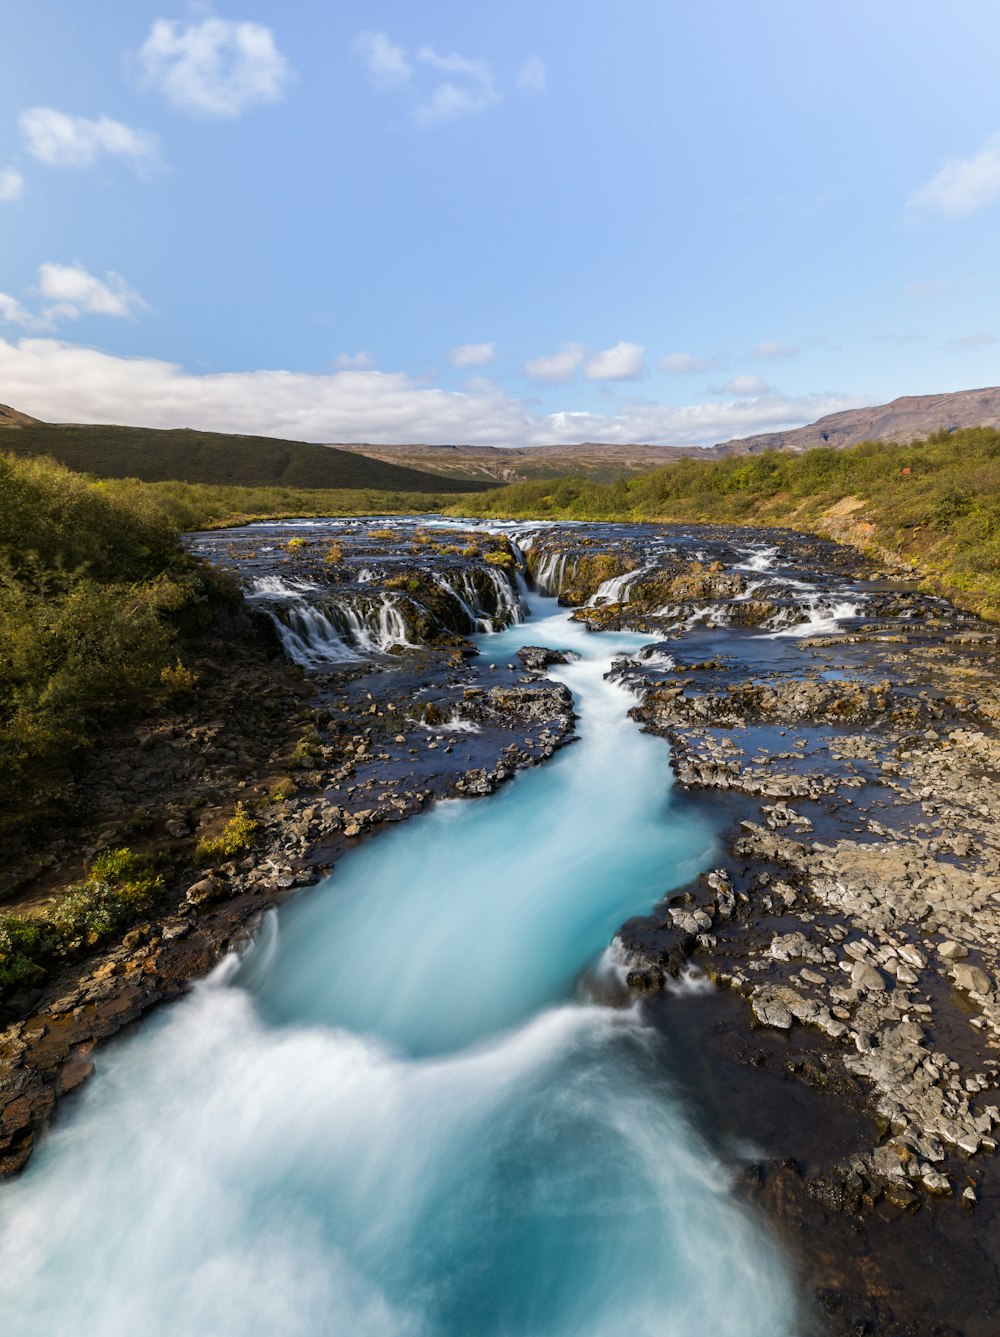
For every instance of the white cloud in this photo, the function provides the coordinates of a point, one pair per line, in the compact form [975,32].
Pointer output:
[684,364]
[440,87]
[13,313]
[11,184]
[474,93]
[61,381]
[557,368]
[623,362]
[214,68]
[363,361]
[387,63]
[72,291]
[60,140]
[473,355]
[963,185]
[774,351]
[533,75]
[743,385]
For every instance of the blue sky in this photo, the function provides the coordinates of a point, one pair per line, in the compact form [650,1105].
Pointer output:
[501,223]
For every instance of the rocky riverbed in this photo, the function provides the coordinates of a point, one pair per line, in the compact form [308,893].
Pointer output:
[841,724]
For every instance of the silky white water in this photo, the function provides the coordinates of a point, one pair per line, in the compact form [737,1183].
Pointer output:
[395,1117]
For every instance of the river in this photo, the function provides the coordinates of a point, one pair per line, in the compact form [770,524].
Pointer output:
[404,1111]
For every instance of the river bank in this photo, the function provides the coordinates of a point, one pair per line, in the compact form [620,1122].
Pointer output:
[818,741]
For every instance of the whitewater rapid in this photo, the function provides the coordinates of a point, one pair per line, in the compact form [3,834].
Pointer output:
[399,1113]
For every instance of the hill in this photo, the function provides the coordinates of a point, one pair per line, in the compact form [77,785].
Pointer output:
[12,418]
[215,458]
[596,460]
[902,419]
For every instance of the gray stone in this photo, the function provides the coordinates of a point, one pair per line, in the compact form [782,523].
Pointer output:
[953,951]
[971,979]
[865,976]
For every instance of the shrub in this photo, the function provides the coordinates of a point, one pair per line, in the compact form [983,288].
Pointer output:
[178,682]
[304,752]
[235,837]
[133,876]
[282,789]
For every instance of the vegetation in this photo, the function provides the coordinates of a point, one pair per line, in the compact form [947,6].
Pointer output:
[235,837]
[192,506]
[935,502]
[119,886]
[218,458]
[95,596]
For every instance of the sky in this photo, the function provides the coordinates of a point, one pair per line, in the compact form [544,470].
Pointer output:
[502,224]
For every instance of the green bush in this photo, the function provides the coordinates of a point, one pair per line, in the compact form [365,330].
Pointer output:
[235,837]
[95,592]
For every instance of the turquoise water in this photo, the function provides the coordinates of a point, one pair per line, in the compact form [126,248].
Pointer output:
[400,1114]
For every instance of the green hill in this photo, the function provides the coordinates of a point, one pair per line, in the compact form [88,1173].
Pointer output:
[216,458]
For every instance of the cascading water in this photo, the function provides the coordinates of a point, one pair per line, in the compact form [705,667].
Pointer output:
[340,624]
[616,588]
[390,1119]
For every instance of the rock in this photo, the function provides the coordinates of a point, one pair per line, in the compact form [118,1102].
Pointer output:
[793,946]
[207,889]
[913,956]
[953,951]
[770,1011]
[971,979]
[935,1182]
[537,657]
[73,1074]
[865,976]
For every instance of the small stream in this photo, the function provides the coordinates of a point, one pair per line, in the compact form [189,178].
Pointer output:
[404,1112]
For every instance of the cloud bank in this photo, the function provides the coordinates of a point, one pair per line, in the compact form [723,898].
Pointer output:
[65,382]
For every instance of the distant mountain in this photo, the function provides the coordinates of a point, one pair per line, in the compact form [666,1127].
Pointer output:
[516,464]
[213,457]
[903,419]
[12,418]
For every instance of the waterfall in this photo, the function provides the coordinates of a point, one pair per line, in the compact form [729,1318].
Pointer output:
[550,573]
[615,589]
[340,629]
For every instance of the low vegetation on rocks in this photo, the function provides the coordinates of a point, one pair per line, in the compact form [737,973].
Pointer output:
[120,884]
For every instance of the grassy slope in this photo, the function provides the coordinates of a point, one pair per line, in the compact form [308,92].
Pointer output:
[96,599]
[943,516]
[215,458]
